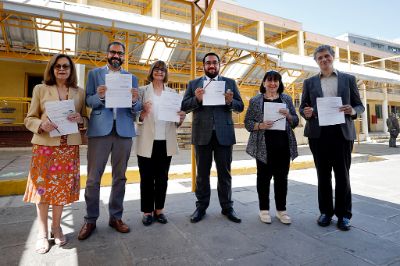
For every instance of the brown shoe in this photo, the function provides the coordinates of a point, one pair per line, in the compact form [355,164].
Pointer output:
[119,225]
[86,230]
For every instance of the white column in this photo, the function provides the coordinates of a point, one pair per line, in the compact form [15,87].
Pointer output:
[80,72]
[361,59]
[156,9]
[214,19]
[300,42]
[385,109]
[364,115]
[337,54]
[382,65]
[260,32]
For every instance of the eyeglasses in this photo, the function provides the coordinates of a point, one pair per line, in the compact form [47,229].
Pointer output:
[157,69]
[209,63]
[119,53]
[58,66]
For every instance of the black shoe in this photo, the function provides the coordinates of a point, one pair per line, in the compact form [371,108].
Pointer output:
[161,218]
[197,215]
[147,219]
[231,215]
[343,224]
[324,220]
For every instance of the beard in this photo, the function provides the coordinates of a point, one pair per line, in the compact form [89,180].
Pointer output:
[211,75]
[115,62]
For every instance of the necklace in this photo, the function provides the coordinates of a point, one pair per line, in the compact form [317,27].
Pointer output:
[271,97]
[62,96]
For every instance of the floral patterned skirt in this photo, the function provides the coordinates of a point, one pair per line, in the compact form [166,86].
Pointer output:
[54,174]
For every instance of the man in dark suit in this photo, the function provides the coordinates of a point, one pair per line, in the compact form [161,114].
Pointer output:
[213,133]
[331,145]
[110,131]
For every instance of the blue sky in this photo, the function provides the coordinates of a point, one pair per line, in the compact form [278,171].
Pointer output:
[373,18]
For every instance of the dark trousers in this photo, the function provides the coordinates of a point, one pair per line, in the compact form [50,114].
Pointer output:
[393,136]
[278,167]
[154,177]
[223,160]
[99,149]
[333,151]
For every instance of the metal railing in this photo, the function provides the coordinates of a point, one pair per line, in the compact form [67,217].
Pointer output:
[13,110]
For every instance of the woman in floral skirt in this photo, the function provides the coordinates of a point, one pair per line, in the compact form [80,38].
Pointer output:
[54,171]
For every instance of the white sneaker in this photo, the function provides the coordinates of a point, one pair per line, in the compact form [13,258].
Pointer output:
[283,217]
[265,217]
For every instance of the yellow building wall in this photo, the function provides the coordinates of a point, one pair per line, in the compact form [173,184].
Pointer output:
[14,84]
[13,74]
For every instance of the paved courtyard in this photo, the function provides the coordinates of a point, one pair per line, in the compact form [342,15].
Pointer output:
[373,240]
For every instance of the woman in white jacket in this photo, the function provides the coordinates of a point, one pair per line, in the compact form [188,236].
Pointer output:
[156,142]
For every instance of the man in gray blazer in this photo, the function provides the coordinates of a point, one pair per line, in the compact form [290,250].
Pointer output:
[332,145]
[213,133]
[110,131]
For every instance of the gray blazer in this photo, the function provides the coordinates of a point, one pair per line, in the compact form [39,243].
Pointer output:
[256,146]
[207,118]
[347,89]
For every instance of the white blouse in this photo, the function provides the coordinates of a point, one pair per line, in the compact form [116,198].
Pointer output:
[159,124]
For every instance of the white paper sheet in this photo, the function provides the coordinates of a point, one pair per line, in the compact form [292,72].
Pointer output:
[58,112]
[214,93]
[271,113]
[118,94]
[328,111]
[170,105]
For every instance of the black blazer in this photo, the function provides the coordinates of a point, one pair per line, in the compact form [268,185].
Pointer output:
[207,118]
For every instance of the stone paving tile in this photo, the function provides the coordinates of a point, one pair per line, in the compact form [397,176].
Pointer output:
[395,219]
[394,237]
[365,245]
[374,225]
[265,258]
[375,210]
[341,258]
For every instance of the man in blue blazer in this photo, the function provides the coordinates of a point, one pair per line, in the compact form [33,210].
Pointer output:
[213,133]
[110,131]
[332,145]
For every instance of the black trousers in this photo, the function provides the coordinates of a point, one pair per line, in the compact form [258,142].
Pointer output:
[154,177]
[277,166]
[223,160]
[333,151]
[393,136]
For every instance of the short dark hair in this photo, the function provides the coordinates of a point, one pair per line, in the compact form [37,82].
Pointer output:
[115,43]
[275,75]
[50,78]
[210,54]
[323,48]
[160,64]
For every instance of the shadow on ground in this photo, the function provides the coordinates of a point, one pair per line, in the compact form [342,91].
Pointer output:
[373,240]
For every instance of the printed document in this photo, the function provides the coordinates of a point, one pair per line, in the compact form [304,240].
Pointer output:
[118,94]
[170,105]
[328,111]
[214,93]
[58,112]
[271,113]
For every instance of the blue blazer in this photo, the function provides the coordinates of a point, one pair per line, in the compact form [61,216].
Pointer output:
[209,118]
[347,90]
[102,118]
